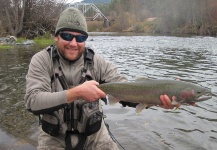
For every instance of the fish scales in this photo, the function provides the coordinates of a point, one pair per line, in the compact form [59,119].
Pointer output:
[149,91]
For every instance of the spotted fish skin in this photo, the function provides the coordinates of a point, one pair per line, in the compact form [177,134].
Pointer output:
[148,92]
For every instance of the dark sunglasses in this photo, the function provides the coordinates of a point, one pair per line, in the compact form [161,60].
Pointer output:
[69,37]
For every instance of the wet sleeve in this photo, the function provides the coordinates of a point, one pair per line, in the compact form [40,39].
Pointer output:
[38,98]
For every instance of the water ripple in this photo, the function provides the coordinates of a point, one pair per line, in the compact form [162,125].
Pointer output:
[192,59]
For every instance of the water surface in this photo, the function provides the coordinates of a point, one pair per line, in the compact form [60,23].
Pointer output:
[193,59]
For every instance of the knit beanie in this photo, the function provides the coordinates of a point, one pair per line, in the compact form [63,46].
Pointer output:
[72,19]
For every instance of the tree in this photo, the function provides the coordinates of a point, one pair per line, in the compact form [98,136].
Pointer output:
[41,16]
[29,17]
[13,12]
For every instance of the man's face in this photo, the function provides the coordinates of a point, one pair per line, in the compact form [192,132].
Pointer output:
[70,49]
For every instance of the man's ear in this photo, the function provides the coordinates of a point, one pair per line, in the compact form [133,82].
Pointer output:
[56,38]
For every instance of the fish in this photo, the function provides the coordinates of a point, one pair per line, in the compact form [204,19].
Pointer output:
[146,92]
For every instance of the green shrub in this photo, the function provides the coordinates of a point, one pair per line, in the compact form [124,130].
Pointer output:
[44,41]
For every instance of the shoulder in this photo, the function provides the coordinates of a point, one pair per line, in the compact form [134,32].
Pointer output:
[41,55]
[99,57]
[102,63]
[101,60]
[41,59]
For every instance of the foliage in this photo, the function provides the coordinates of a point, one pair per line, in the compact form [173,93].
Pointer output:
[44,41]
[20,39]
[194,16]
[3,47]
[94,26]
[31,18]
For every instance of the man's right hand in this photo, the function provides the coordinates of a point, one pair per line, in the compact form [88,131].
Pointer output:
[87,91]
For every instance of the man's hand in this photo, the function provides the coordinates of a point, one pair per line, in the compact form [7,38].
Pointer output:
[167,103]
[87,91]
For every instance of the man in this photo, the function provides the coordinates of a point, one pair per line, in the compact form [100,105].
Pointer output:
[59,84]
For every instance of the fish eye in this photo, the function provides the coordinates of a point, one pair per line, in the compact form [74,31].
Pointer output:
[198,92]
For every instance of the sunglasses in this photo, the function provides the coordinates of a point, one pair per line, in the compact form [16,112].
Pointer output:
[69,37]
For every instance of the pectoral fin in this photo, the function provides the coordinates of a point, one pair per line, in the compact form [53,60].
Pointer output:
[140,107]
[112,100]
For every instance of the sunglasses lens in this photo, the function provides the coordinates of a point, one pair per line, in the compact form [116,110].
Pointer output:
[69,37]
[80,38]
[66,36]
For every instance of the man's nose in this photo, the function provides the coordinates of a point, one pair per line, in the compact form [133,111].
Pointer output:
[73,42]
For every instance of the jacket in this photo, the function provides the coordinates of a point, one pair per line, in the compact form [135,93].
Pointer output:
[40,98]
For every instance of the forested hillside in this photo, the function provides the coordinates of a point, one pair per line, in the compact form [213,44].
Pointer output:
[37,17]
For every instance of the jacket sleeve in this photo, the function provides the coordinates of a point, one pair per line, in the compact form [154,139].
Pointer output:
[39,98]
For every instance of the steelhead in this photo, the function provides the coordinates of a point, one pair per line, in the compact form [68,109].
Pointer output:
[148,92]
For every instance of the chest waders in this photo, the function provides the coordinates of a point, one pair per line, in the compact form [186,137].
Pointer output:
[82,118]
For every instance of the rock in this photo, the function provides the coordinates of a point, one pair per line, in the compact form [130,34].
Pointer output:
[11,39]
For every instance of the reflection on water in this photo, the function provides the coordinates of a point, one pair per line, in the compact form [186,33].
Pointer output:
[192,59]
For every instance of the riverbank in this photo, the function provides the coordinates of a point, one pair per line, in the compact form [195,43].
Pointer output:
[40,41]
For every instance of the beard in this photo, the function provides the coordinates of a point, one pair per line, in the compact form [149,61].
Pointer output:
[67,56]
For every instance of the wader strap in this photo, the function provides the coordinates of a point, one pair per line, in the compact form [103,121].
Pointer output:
[88,65]
[88,59]
[81,141]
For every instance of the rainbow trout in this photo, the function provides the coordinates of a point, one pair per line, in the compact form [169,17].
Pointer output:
[148,92]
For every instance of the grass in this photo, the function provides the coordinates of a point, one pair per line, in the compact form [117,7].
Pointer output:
[41,42]
[6,47]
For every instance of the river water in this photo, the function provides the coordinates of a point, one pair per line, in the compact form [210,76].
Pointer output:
[192,59]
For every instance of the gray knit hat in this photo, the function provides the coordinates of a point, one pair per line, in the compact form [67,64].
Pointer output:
[72,19]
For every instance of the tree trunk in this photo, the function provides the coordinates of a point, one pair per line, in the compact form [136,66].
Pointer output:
[10,27]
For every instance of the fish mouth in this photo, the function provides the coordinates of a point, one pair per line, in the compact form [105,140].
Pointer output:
[203,97]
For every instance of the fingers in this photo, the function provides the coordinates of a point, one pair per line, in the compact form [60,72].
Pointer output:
[163,100]
[92,82]
[166,102]
[91,92]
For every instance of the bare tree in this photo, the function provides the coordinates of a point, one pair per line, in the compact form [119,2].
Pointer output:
[29,17]
[12,15]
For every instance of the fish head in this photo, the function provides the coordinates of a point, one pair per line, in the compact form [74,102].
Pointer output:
[195,94]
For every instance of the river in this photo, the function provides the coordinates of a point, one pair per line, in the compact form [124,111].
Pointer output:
[192,59]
